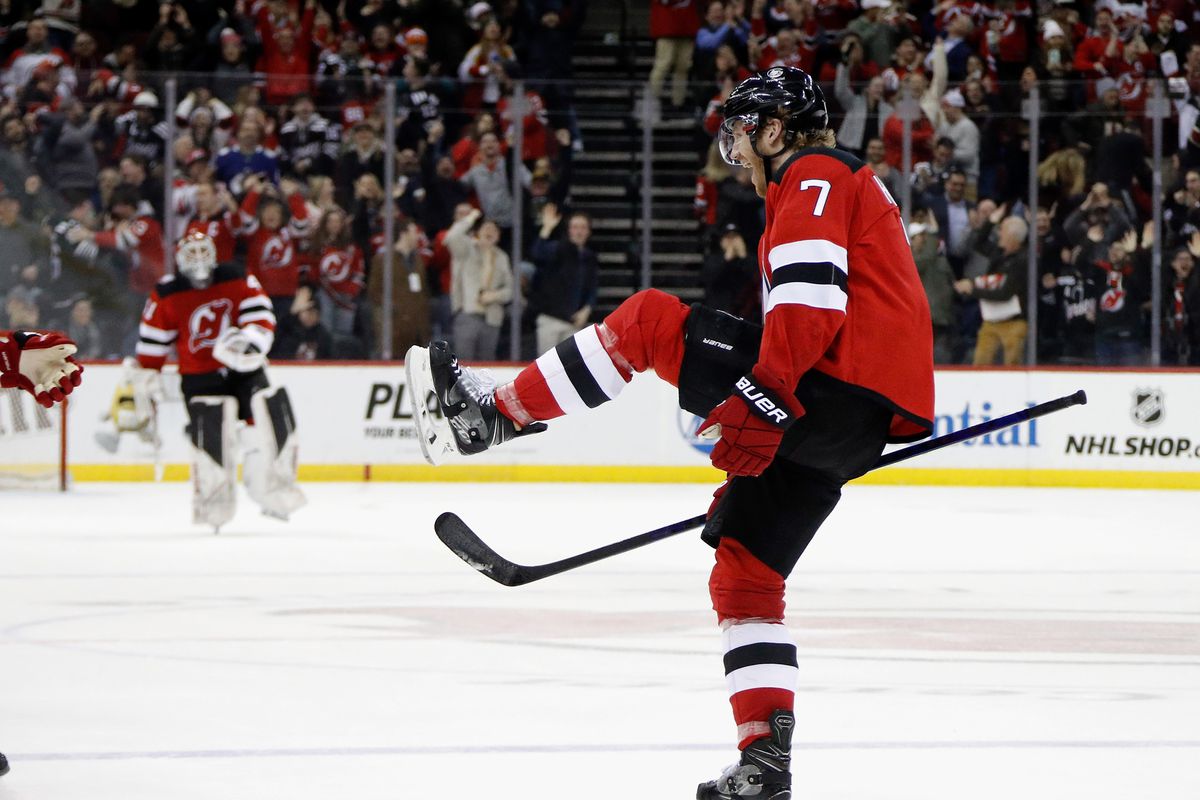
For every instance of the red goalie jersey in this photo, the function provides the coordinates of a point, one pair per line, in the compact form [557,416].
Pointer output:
[192,319]
[841,293]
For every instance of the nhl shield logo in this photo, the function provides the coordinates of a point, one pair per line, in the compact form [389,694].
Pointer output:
[1148,407]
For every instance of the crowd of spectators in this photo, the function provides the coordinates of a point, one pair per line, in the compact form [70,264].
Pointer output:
[277,138]
[962,73]
[275,146]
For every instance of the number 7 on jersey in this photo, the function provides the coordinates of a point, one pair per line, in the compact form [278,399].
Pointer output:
[823,186]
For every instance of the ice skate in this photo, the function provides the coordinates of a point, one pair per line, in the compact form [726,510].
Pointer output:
[764,770]
[469,422]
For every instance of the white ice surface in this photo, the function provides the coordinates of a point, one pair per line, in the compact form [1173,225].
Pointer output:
[986,644]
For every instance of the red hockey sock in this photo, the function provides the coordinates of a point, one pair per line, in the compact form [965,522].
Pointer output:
[760,655]
[590,368]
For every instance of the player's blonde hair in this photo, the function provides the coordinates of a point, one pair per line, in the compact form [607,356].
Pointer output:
[822,138]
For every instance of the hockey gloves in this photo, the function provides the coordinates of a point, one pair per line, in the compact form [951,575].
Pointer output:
[39,363]
[236,349]
[751,423]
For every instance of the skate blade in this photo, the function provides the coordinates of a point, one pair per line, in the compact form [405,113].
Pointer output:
[433,431]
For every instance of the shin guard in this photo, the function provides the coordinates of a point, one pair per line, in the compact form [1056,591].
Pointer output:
[271,454]
[213,431]
[760,654]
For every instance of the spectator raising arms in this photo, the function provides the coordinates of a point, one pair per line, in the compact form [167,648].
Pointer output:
[287,51]
[247,156]
[1001,289]
[481,283]
[565,277]
[479,67]
[271,232]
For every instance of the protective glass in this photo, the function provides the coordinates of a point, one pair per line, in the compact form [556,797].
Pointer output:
[727,136]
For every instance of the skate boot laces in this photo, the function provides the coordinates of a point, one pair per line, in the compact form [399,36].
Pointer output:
[478,384]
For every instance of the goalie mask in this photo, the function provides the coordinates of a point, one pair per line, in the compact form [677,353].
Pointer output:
[196,258]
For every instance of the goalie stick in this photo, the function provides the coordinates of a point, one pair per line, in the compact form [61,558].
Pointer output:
[467,545]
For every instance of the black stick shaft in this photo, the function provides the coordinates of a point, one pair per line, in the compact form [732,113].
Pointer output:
[991,426]
[633,543]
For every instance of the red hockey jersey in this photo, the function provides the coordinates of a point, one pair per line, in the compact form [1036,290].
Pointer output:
[192,319]
[221,229]
[841,293]
[340,273]
[271,254]
[141,240]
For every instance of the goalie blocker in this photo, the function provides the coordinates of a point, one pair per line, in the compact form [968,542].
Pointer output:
[269,454]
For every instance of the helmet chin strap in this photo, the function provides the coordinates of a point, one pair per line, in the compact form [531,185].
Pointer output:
[788,138]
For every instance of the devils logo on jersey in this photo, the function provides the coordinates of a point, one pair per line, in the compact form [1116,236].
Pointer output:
[335,266]
[277,253]
[207,322]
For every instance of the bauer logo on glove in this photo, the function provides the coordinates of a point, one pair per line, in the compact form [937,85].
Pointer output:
[751,423]
[761,400]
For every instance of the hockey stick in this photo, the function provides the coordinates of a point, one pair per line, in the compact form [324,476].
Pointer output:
[467,545]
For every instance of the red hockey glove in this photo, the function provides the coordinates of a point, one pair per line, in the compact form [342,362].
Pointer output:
[751,423]
[39,363]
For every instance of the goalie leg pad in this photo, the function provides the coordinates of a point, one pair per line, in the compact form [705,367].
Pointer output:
[243,386]
[718,349]
[272,453]
[213,430]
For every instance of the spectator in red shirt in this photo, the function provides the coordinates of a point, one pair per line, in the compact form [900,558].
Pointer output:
[338,268]
[286,65]
[214,217]
[673,27]
[1102,43]
[535,142]
[383,52]
[271,245]
[137,234]
[1131,71]
[465,152]
[922,129]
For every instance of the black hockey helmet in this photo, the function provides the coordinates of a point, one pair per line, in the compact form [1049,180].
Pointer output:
[788,94]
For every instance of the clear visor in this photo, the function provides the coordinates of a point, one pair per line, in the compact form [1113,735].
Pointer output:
[732,129]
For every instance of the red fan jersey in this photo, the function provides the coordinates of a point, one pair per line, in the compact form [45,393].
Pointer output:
[192,319]
[841,293]
[271,254]
[141,240]
[220,229]
[340,273]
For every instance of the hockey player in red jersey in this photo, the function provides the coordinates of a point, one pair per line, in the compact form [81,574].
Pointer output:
[221,325]
[841,365]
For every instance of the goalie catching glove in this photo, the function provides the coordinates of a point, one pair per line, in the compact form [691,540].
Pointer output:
[39,363]
[751,423]
[237,350]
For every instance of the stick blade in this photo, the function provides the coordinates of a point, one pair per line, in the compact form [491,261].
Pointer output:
[463,542]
